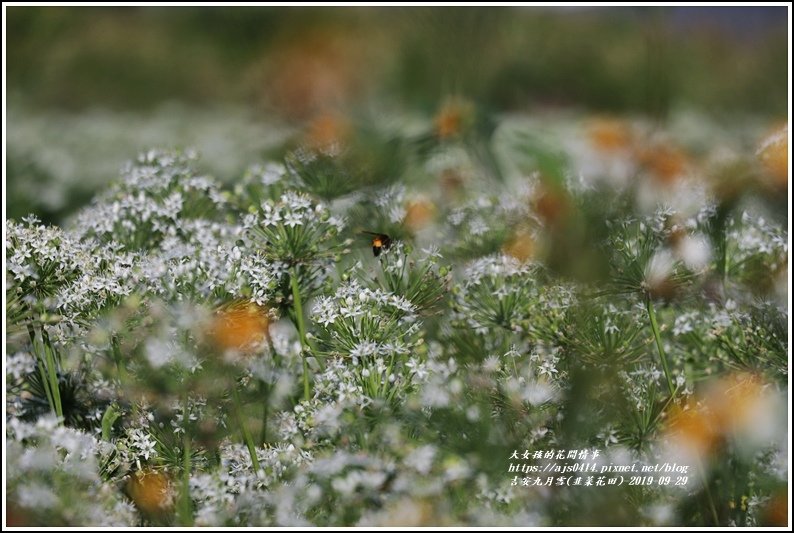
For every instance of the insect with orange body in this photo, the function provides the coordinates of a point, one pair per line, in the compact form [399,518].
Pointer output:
[380,242]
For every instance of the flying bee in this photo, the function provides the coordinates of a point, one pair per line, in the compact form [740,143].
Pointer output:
[380,242]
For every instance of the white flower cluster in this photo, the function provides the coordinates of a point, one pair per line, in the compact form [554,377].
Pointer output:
[353,301]
[208,263]
[496,291]
[159,212]
[158,195]
[480,226]
[639,385]
[370,342]
[295,235]
[495,267]
[60,476]
[392,201]
[442,387]
[267,174]
[20,364]
[755,235]
[293,209]
[52,270]
[235,486]
[354,481]
[373,330]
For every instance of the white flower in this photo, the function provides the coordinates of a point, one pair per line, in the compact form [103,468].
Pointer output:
[421,458]
[478,226]
[684,323]
[270,217]
[491,364]
[547,368]
[37,496]
[142,443]
[293,219]
[364,349]
[695,251]
[659,268]
[417,368]
[537,393]
[270,173]
[298,201]
[324,312]
[609,435]
[20,364]
[610,327]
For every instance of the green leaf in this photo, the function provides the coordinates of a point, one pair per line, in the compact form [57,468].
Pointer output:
[108,419]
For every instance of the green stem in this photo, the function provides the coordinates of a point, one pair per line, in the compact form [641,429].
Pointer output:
[296,298]
[657,336]
[46,384]
[48,370]
[249,441]
[118,358]
[721,237]
[40,365]
[52,369]
[709,497]
[186,514]
[265,390]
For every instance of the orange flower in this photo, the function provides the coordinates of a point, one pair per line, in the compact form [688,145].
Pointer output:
[453,118]
[729,406]
[419,213]
[520,245]
[735,399]
[773,154]
[240,327]
[327,130]
[775,513]
[551,203]
[664,162]
[695,429]
[610,134]
[314,71]
[452,183]
[152,492]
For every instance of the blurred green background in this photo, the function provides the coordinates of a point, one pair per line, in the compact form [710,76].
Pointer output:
[617,59]
[90,87]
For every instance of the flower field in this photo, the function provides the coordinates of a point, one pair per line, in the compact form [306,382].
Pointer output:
[440,318]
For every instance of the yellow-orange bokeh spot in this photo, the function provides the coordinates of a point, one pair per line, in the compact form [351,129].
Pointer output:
[316,71]
[240,327]
[521,246]
[695,428]
[609,134]
[151,491]
[729,403]
[327,130]
[419,213]
[664,162]
[773,155]
[453,118]
[734,399]
[452,183]
[551,204]
[775,513]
